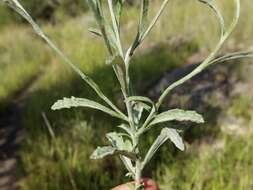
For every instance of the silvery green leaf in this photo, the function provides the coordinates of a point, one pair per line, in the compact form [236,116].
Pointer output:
[96,7]
[141,27]
[144,15]
[118,4]
[102,152]
[233,56]
[175,138]
[178,115]
[217,12]
[126,128]
[140,99]
[67,103]
[118,142]
[137,113]
[141,35]
[128,145]
[128,164]
[111,36]
[105,151]
[166,134]
[116,28]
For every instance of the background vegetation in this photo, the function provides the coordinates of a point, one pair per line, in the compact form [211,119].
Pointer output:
[56,156]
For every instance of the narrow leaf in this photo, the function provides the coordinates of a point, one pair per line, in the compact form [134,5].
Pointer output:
[105,151]
[67,103]
[217,12]
[178,115]
[140,99]
[118,4]
[96,7]
[137,113]
[166,134]
[175,138]
[233,56]
[143,16]
[118,142]
[126,128]
[102,152]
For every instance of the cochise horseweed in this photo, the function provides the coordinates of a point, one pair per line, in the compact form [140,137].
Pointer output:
[126,144]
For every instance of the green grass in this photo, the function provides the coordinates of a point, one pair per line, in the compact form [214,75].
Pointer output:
[225,164]
[19,63]
[62,162]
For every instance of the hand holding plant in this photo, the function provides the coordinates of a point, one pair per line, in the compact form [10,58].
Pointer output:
[148,185]
[142,114]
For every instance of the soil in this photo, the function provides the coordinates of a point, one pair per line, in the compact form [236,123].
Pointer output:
[11,135]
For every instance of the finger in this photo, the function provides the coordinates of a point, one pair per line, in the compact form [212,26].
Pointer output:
[150,184]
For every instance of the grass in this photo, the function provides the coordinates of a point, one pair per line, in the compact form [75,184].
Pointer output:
[62,162]
[225,164]
[18,63]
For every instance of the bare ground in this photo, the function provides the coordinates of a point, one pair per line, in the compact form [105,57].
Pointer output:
[11,135]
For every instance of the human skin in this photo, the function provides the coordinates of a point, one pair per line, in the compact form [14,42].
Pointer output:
[149,184]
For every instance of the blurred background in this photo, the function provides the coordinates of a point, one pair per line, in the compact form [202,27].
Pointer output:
[45,150]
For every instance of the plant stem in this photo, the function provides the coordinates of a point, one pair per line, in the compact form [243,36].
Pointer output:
[138,168]
[138,172]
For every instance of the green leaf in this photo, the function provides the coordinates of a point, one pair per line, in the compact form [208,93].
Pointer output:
[102,152]
[233,56]
[177,115]
[141,35]
[143,16]
[67,103]
[140,99]
[118,4]
[96,7]
[140,103]
[137,113]
[118,142]
[127,129]
[116,28]
[166,134]
[105,151]
[175,138]
[217,12]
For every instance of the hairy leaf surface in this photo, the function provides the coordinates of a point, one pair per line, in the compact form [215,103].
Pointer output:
[166,134]
[67,103]
[178,115]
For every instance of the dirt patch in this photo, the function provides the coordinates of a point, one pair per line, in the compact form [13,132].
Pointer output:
[11,135]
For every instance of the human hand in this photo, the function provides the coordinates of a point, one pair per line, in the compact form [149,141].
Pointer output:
[149,184]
